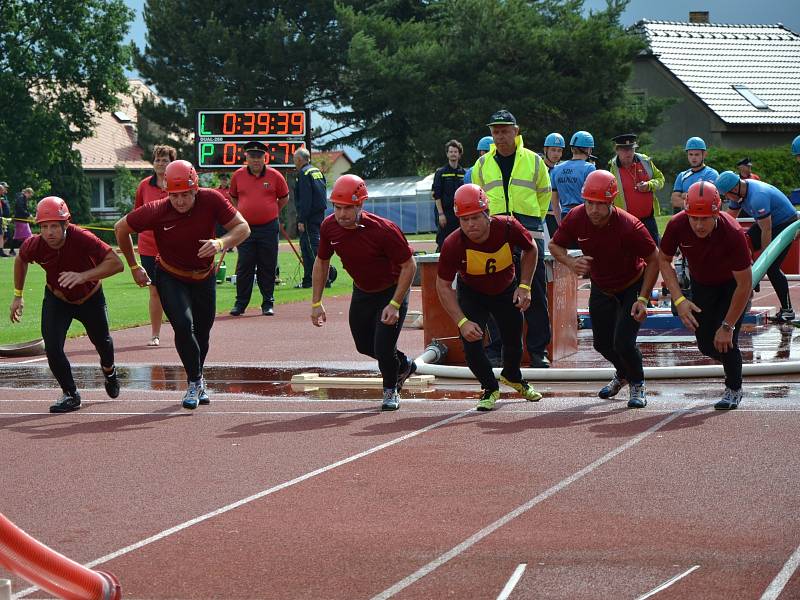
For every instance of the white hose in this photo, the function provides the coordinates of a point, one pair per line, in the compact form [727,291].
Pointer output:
[434,352]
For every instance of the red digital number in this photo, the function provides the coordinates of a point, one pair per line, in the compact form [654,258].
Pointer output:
[263,123]
[249,123]
[229,154]
[229,124]
[283,125]
[297,121]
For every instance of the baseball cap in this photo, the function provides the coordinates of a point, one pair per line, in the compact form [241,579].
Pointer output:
[502,117]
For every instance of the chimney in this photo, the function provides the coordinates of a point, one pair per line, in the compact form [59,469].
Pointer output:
[698,16]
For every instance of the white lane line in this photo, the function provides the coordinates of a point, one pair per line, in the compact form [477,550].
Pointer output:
[781,579]
[229,507]
[667,583]
[523,508]
[512,583]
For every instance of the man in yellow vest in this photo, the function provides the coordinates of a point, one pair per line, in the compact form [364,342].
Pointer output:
[517,183]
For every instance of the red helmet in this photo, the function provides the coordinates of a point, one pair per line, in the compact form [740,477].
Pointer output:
[469,200]
[600,186]
[349,189]
[180,176]
[52,208]
[702,200]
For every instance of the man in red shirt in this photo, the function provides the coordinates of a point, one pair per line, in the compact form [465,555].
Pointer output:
[260,193]
[622,262]
[151,189]
[745,168]
[183,225]
[75,261]
[481,253]
[719,260]
[377,256]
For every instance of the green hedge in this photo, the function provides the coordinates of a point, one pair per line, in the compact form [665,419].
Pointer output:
[773,165]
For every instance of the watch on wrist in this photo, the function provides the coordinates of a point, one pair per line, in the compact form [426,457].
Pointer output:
[727,326]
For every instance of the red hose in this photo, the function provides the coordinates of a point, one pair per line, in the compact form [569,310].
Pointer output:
[54,573]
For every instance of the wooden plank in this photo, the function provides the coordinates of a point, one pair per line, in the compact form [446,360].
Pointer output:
[415,381]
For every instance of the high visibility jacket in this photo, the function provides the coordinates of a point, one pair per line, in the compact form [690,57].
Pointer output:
[656,181]
[528,190]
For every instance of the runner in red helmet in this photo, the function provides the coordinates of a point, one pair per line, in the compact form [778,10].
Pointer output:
[183,225]
[719,260]
[621,259]
[75,261]
[480,252]
[377,256]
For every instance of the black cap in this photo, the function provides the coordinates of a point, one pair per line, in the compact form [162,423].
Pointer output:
[502,117]
[744,162]
[255,146]
[626,140]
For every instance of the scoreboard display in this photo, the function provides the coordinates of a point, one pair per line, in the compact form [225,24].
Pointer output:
[221,135]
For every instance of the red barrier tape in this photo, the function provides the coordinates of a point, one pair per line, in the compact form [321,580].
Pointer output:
[53,572]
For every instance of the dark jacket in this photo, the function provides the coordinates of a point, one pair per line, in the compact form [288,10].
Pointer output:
[21,207]
[310,194]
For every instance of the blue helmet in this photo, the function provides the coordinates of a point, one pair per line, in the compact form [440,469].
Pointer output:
[582,139]
[796,146]
[695,143]
[485,143]
[726,181]
[554,140]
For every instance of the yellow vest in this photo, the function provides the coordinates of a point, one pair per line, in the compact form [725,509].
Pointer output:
[528,190]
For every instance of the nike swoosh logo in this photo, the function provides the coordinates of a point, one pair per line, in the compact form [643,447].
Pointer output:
[580,239]
[334,243]
[168,228]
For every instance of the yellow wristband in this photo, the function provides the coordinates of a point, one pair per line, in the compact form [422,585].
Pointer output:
[394,303]
[525,286]
[17,293]
[316,304]
[642,299]
[221,244]
[135,266]
[679,300]
[462,321]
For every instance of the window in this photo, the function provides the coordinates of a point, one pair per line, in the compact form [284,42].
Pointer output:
[748,95]
[102,193]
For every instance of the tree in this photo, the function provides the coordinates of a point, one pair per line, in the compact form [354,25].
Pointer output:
[413,83]
[59,62]
[218,54]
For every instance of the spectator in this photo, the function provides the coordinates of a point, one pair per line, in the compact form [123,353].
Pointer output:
[446,181]
[5,213]
[22,229]
[484,145]
[568,177]
[696,152]
[745,168]
[310,199]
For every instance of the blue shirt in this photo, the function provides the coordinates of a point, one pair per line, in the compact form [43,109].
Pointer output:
[468,175]
[688,177]
[567,179]
[764,200]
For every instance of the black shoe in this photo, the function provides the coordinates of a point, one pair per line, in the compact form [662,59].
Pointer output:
[539,361]
[268,312]
[236,311]
[302,286]
[112,383]
[67,403]
[12,253]
[408,371]
[328,284]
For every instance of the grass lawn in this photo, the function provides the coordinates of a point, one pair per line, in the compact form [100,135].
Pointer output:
[127,303]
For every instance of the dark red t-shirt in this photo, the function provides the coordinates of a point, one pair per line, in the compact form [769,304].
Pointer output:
[257,195]
[712,259]
[371,253]
[178,235]
[148,191]
[487,267]
[618,249]
[81,251]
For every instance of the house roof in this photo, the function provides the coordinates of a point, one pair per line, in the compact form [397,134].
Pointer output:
[711,58]
[113,141]
[331,157]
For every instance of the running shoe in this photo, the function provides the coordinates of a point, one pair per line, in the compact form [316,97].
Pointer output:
[202,395]
[67,403]
[638,397]
[730,399]
[192,396]
[524,388]
[785,315]
[408,371]
[612,388]
[391,401]
[488,400]
[111,383]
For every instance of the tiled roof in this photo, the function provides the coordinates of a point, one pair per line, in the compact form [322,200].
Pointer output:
[113,141]
[332,156]
[710,58]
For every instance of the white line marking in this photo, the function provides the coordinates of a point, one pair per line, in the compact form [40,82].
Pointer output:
[491,528]
[667,583]
[22,362]
[512,583]
[781,579]
[229,507]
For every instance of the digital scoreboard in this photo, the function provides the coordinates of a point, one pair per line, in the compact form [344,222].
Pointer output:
[220,136]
